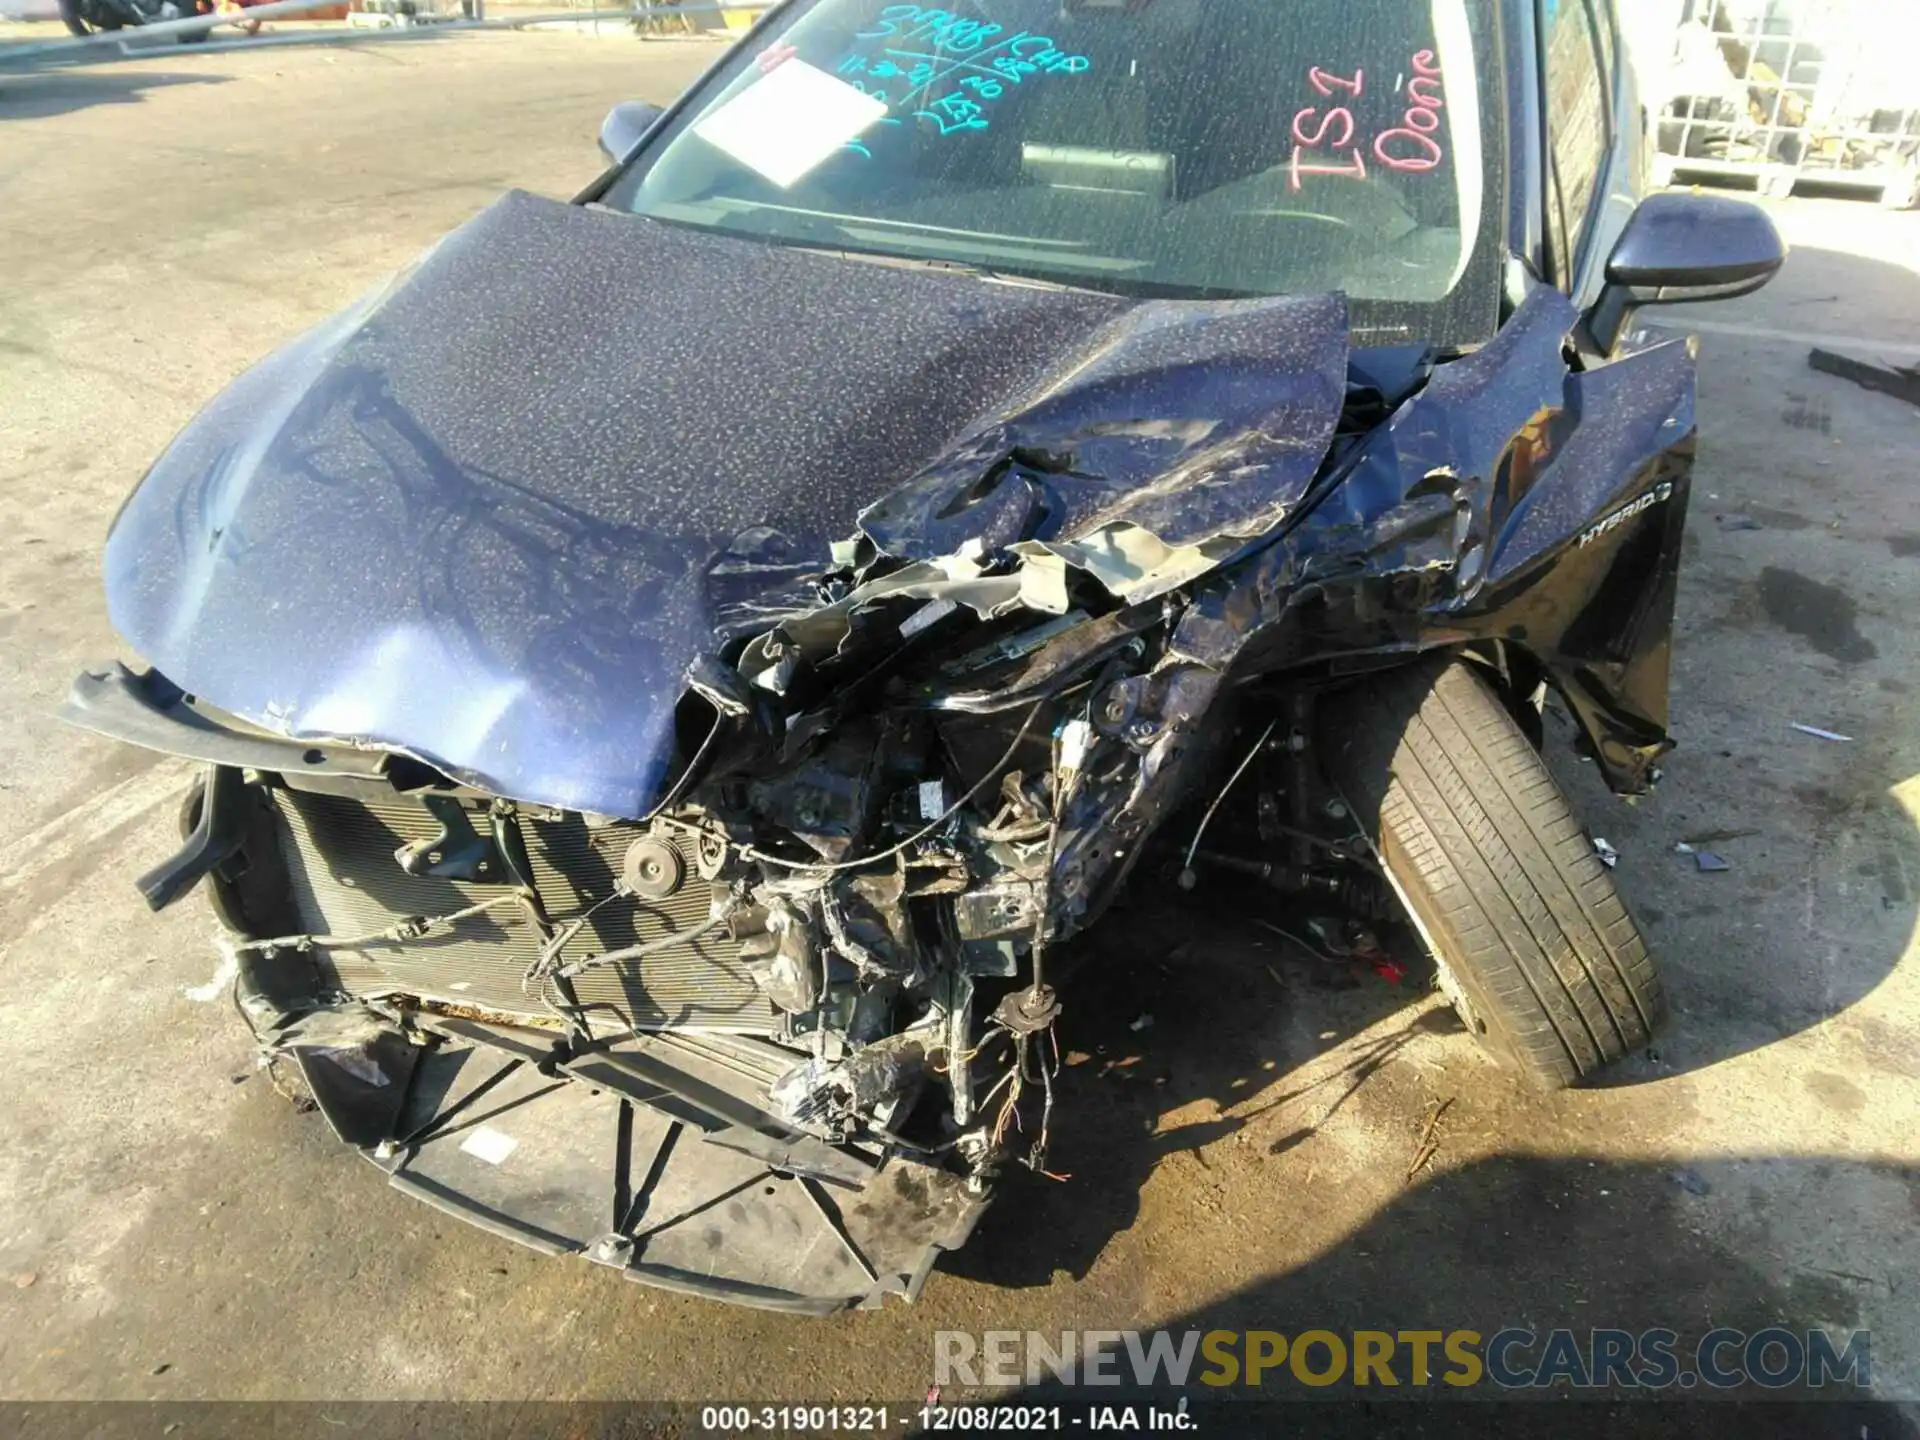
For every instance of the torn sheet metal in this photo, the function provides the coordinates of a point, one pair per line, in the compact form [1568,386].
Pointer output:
[1471,514]
[1040,585]
[1182,428]
[490,516]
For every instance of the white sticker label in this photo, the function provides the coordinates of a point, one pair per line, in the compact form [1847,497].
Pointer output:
[928,614]
[789,120]
[489,1144]
[933,799]
[1076,738]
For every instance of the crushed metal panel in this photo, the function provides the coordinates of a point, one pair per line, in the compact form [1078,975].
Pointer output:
[1434,533]
[1192,421]
[938,743]
[477,516]
[1133,563]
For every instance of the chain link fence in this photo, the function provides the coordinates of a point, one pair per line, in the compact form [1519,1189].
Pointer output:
[1792,91]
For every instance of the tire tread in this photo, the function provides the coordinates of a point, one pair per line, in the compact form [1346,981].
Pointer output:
[1499,870]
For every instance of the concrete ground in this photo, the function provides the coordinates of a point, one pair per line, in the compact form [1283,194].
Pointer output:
[170,1227]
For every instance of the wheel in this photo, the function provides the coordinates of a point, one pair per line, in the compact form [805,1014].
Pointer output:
[85,21]
[200,37]
[1529,937]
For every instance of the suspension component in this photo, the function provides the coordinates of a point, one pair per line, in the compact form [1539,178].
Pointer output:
[1355,891]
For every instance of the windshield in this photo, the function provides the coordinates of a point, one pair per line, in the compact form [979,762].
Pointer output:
[1202,148]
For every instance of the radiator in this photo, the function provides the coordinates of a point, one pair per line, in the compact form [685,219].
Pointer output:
[344,881]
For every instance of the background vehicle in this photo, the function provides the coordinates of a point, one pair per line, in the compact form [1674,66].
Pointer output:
[86,17]
[696,790]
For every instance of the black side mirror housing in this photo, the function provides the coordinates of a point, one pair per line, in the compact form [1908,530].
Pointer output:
[1681,246]
[625,126]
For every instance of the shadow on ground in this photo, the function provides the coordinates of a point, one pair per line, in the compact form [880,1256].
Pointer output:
[38,94]
[1175,1005]
[1796,590]
[1189,1023]
[1541,1243]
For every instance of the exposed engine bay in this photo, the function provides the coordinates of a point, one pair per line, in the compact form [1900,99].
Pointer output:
[829,959]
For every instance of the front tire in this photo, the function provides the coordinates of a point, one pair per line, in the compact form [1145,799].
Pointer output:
[80,23]
[1531,939]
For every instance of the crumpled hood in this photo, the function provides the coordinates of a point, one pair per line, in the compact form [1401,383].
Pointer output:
[490,515]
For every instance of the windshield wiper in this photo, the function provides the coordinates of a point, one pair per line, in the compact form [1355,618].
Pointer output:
[1130,287]
[939,262]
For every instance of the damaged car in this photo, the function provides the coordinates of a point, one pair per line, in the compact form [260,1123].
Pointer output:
[670,671]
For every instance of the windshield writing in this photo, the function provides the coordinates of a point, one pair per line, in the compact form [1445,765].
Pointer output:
[1178,147]
[946,68]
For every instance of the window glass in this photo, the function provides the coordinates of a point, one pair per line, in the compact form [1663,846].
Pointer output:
[1606,42]
[1207,148]
[1576,107]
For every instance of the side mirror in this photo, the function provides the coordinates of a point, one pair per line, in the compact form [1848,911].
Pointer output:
[1704,247]
[626,124]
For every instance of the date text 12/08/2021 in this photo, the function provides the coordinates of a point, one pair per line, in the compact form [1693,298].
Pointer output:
[936,1418]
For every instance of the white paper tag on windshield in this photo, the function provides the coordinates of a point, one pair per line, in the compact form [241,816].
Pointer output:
[789,120]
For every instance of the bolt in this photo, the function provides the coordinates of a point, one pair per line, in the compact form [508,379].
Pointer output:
[1337,809]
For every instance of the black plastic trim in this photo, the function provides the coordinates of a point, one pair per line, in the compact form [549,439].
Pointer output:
[148,710]
[217,837]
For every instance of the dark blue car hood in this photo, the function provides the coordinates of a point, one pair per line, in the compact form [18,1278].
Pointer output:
[490,515]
